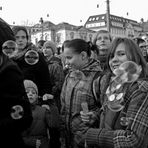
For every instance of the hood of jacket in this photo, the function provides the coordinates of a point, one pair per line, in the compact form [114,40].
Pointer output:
[92,66]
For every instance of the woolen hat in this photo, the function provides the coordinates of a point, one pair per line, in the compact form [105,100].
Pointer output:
[5,33]
[30,84]
[52,45]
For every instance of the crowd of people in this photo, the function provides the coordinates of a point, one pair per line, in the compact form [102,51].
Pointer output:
[90,95]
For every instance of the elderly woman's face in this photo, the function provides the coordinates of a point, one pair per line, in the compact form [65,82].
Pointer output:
[119,57]
[21,39]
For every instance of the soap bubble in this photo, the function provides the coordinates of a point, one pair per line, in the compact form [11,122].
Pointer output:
[114,102]
[128,71]
[31,57]
[17,112]
[9,48]
[124,121]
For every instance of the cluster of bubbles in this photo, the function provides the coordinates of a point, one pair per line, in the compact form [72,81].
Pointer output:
[10,49]
[126,73]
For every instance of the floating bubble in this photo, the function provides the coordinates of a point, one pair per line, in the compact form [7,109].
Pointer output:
[131,69]
[17,112]
[111,97]
[115,107]
[124,121]
[31,57]
[119,96]
[118,86]
[9,48]
[114,102]
[127,72]
[118,72]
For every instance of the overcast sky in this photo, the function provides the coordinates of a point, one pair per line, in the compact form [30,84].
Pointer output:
[70,11]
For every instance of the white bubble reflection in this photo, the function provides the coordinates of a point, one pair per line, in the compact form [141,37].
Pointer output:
[127,72]
[31,57]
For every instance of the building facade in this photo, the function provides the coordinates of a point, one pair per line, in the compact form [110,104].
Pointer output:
[60,32]
[119,26]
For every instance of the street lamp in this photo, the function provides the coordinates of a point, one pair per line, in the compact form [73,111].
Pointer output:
[41,21]
[108,15]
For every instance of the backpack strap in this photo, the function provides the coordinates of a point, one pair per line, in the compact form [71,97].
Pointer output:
[96,86]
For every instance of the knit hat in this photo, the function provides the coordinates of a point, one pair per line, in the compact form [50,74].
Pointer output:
[5,33]
[30,84]
[52,45]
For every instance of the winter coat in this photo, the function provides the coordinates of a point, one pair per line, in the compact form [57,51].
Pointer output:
[44,121]
[77,88]
[114,132]
[38,129]
[12,96]
[56,76]
[38,73]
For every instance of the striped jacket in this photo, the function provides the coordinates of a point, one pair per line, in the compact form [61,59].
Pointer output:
[112,133]
[77,89]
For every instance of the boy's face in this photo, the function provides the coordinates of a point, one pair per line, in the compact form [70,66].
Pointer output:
[103,43]
[32,95]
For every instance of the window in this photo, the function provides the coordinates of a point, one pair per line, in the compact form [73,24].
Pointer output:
[90,19]
[97,18]
[72,35]
[102,17]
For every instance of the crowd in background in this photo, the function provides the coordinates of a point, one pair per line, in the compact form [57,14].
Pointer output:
[82,95]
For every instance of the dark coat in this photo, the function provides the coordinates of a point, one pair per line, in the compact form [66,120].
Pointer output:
[56,75]
[38,129]
[38,73]
[12,93]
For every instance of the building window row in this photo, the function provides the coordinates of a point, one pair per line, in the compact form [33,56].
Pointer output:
[96,18]
[119,19]
[117,24]
[117,31]
[95,24]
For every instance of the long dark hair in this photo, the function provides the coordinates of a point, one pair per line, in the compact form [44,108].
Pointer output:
[79,45]
[133,53]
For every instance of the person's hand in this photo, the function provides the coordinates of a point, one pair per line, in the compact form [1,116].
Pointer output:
[46,106]
[87,117]
[47,97]
[38,143]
